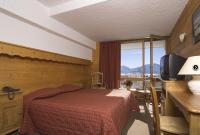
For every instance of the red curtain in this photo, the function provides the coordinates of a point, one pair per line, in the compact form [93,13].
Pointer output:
[110,63]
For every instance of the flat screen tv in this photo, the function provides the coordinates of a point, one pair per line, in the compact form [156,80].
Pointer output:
[170,65]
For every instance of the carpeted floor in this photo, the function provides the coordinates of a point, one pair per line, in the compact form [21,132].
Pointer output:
[140,123]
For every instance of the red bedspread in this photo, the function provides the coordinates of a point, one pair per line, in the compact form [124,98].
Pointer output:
[75,111]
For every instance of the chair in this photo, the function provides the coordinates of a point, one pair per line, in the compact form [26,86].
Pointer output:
[97,80]
[166,124]
[147,83]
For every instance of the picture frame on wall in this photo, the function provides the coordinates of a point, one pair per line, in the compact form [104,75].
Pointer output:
[196,25]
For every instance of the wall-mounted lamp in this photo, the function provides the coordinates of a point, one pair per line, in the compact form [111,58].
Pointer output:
[182,37]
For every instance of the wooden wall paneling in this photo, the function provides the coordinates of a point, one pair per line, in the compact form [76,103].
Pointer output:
[167,46]
[184,24]
[14,50]
[31,73]
[1,117]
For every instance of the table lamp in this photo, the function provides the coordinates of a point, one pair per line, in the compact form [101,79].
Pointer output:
[192,67]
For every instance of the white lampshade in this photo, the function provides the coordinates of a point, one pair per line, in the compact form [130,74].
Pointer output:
[191,66]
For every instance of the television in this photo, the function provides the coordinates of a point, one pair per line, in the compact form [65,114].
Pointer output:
[170,65]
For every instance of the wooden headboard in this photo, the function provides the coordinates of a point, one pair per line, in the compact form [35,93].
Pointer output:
[30,69]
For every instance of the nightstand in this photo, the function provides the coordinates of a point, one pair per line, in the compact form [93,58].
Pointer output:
[10,112]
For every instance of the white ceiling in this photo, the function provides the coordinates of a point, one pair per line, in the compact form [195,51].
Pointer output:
[119,19]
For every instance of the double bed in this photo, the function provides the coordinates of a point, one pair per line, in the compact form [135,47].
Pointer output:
[71,110]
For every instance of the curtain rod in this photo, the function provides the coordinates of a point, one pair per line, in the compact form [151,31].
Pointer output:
[154,37]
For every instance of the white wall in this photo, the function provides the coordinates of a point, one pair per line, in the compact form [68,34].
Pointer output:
[26,23]
[17,32]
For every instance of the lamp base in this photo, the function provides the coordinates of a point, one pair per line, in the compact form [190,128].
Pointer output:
[194,85]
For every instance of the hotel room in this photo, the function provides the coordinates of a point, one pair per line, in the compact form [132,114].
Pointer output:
[99,67]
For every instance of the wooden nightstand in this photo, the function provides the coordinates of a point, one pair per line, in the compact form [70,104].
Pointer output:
[10,112]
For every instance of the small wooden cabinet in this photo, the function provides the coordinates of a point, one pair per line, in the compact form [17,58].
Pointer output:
[10,112]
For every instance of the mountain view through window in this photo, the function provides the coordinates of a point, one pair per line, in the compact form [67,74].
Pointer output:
[132,60]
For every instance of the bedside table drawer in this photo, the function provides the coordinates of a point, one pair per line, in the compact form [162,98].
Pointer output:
[11,116]
[10,113]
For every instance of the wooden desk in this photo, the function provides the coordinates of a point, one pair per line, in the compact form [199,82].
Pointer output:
[187,103]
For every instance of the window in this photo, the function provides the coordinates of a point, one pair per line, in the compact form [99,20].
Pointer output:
[131,60]
[158,52]
[131,63]
[135,61]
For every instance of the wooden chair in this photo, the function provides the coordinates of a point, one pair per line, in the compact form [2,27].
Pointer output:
[166,124]
[97,80]
[147,91]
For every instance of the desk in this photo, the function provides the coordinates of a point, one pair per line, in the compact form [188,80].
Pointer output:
[187,103]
